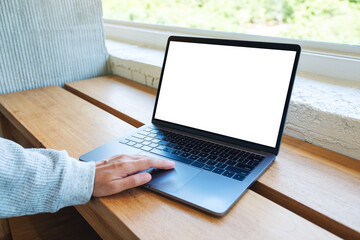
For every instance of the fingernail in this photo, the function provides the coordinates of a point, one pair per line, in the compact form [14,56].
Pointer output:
[171,163]
[146,177]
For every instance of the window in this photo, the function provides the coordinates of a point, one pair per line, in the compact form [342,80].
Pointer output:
[147,23]
[334,21]
[319,60]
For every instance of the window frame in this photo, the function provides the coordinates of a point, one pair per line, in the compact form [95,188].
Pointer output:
[319,59]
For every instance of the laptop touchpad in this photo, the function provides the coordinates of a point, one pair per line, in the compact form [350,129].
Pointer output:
[171,180]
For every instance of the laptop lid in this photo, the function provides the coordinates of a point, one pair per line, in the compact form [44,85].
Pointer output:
[229,90]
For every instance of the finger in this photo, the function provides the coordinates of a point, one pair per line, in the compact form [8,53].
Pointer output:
[145,162]
[125,157]
[131,181]
[117,158]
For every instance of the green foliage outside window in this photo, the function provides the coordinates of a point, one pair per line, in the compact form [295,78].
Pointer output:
[318,20]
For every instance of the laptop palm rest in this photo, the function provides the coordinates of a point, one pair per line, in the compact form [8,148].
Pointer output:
[171,180]
[188,183]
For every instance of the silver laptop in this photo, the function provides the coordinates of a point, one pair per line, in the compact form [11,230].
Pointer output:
[219,113]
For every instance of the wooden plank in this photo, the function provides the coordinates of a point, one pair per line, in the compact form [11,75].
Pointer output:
[64,224]
[316,183]
[5,233]
[8,131]
[253,217]
[59,113]
[12,133]
[118,99]
[84,125]
[139,213]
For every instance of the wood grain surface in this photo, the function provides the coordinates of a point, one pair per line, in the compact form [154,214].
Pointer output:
[58,119]
[65,224]
[5,233]
[118,97]
[316,183]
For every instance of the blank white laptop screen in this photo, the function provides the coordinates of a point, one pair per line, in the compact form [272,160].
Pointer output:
[238,92]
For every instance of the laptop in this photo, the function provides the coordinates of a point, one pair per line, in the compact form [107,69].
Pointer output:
[219,114]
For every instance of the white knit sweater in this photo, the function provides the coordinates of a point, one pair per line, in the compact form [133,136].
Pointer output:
[41,180]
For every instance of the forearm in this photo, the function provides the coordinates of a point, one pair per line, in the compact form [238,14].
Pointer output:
[41,180]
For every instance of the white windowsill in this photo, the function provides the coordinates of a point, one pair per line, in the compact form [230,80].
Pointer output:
[322,111]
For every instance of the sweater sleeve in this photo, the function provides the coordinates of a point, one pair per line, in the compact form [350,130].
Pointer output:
[41,180]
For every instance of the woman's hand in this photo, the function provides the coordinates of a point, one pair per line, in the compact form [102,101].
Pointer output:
[119,173]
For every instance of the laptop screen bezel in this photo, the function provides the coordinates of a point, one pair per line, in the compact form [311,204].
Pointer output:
[251,44]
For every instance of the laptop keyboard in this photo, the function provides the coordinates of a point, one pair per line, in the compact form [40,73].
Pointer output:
[227,161]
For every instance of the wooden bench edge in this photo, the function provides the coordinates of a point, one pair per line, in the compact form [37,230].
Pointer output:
[305,212]
[107,108]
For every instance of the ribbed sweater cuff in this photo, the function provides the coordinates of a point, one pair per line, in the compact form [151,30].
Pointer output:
[79,189]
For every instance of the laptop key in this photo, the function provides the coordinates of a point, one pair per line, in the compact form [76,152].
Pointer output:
[168,149]
[222,160]
[212,157]
[169,144]
[143,133]
[138,145]
[228,174]
[139,136]
[206,150]
[153,145]
[211,162]
[203,160]
[237,170]
[203,154]
[231,162]
[161,147]
[238,177]
[131,143]
[190,145]
[243,160]
[227,150]
[214,152]
[193,157]
[243,173]
[124,141]
[146,148]
[221,165]
[218,170]
[177,152]
[172,156]
[198,164]
[198,147]
[208,167]
[184,160]
[195,151]
[146,142]
[154,140]
[185,154]
[233,157]
[243,166]
[224,155]
[217,147]
[258,157]
[252,163]
[135,139]
[187,149]
[254,157]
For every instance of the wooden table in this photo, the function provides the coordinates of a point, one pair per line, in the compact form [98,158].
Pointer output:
[54,118]
[318,184]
